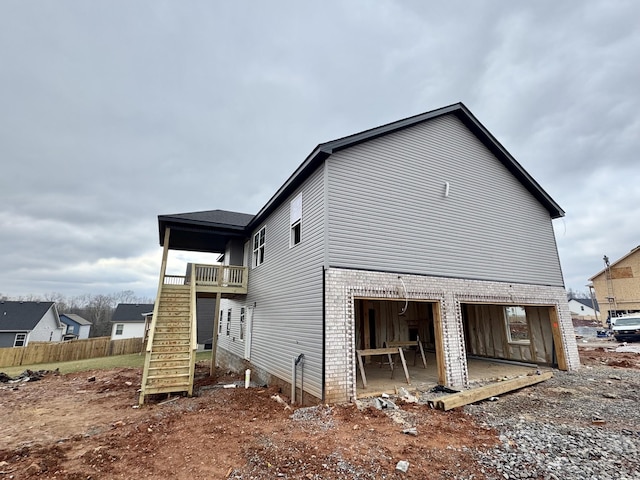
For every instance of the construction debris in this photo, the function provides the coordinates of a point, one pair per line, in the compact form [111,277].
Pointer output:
[383,403]
[402,466]
[488,391]
[279,399]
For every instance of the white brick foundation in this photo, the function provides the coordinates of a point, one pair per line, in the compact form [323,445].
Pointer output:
[343,285]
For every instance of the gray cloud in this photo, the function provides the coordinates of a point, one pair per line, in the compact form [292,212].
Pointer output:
[115,112]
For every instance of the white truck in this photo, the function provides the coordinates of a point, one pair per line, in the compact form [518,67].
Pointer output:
[626,328]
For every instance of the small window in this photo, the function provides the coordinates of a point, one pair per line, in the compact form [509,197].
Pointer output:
[295,221]
[21,340]
[242,323]
[220,321]
[228,322]
[517,326]
[119,328]
[258,247]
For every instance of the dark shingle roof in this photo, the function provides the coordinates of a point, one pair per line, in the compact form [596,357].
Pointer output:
[76,318]
[131,312]
[22,316]
[215,218]
[586,302]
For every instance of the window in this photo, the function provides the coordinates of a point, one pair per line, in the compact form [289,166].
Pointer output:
[517,326]
[220,321]
[228,322]
[21,340]
[258,247]
[119,328]
[242,324]
[581,308]
[295,221]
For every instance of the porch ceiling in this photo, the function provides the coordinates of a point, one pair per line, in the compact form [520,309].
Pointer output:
[207,231]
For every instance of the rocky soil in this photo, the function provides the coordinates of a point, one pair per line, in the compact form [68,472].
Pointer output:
[582,425]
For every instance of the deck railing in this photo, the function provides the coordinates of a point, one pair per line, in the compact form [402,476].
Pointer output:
[212,276]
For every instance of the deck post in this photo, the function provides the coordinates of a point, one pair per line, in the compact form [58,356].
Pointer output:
[214,339]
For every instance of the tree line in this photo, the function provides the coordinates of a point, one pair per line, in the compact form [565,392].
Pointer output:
[97,308]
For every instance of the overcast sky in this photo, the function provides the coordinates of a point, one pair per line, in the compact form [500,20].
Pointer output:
[113,112]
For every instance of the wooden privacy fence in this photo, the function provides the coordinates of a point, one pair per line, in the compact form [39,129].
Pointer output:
[49,352]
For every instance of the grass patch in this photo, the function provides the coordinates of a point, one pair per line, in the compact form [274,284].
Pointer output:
[134,360]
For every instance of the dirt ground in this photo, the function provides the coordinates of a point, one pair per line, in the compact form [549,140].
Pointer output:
[86,426]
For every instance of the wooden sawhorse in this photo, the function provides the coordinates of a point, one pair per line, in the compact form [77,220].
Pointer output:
[381,351]
[413,343]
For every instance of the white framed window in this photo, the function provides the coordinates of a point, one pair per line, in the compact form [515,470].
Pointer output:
[295,221]
[119,328]
[258,247]
[242,323]
[220,321]
[20,340]
[228,322]
[517,325]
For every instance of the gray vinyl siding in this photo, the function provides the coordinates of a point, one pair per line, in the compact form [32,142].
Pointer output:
[388,211]
[7,339]
[287,292]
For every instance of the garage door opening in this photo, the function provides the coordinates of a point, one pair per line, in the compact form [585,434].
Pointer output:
[382,325]
[519,335]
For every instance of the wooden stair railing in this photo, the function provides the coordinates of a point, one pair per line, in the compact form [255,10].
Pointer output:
[171,348]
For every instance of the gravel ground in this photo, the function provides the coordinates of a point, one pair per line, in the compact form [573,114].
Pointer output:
[577,425]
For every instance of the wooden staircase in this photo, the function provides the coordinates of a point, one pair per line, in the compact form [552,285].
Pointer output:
[171,346]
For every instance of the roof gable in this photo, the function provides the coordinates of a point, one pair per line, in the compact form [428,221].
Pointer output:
[209,231]
[324,150]
[633,251]
[22,316]
[587,302]
[131,312]
[66,317]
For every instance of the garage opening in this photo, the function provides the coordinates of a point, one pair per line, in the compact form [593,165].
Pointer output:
[383,325]
[511,334]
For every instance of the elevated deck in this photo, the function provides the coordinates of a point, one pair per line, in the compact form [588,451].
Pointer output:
[172,340]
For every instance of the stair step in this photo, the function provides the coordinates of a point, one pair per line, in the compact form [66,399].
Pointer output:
[171,343]
[169,295]
[170,288]
[184,312]
[177,329]
[166,371]
[169,357]
[172,335]
[150,390]
[166,382]
[171,349]
[167,376]
[172,322]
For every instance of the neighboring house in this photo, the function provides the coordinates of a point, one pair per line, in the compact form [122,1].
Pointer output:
[76,326]
[426,227]
[583,308]
[617,286]
[131,320]
[25,322]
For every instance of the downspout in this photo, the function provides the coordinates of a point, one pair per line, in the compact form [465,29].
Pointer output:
[294,382]
[324,332]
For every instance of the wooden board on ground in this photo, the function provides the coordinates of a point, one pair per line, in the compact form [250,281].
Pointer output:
[481,393]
